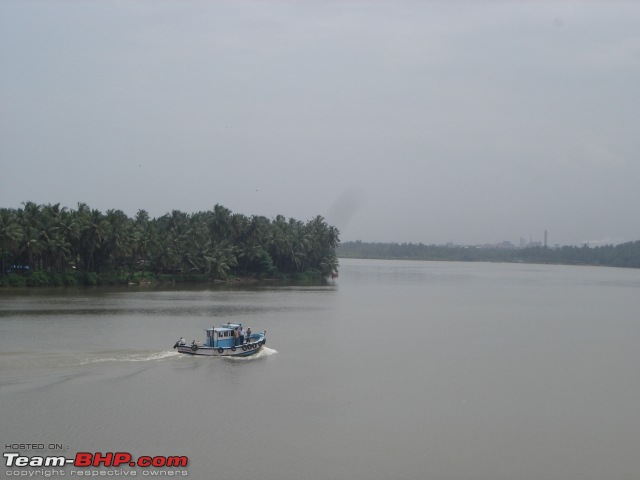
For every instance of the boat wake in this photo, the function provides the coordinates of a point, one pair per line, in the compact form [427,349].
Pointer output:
[264,352]
[132,357]
[123,356]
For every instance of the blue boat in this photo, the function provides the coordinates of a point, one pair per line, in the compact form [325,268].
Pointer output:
[226,340]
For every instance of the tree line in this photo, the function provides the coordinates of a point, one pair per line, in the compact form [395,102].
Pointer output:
[50,244]
[623,255]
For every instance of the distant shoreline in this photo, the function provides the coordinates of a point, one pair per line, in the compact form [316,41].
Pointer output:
[626,255]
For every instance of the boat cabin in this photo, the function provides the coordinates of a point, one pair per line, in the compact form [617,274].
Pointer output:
[222,337]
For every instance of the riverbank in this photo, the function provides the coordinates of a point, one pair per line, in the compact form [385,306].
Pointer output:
[74,279]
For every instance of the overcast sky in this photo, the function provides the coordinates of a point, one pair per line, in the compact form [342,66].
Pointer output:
[434,121]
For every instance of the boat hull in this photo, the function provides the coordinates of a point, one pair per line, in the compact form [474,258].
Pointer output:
[245,350]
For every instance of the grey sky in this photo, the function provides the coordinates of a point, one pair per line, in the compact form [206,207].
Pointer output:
[433,122]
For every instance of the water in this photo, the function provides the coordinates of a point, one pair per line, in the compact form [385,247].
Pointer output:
[401,370]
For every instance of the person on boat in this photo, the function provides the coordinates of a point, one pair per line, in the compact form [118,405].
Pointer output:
[243,335]
[235,336]
[248,336]
[182,341]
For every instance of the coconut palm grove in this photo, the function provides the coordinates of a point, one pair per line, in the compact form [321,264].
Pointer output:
[54,245]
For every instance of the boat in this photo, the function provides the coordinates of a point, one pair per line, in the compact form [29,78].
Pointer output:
[225,341]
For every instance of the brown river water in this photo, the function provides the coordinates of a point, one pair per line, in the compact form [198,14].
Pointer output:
[398,370]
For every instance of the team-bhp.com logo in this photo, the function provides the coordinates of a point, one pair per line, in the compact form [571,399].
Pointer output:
[86,459]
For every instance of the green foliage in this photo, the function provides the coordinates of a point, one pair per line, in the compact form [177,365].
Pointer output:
[90,278]
[141,277]
[59,246]
[39,279]
[185,278]
[69,279]
[313,274]
[13,280]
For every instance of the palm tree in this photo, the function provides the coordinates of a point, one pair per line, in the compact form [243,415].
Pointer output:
[59,249]
[164,258]
[92,233]
[237,225]
[30,246]
[10,233]
[248,254]
[118,237]
[51,237]
[222,260]
[220,223]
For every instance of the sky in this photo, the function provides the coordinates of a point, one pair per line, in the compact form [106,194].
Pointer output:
[398,121]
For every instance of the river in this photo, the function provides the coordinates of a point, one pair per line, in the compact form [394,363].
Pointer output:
[398,370]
